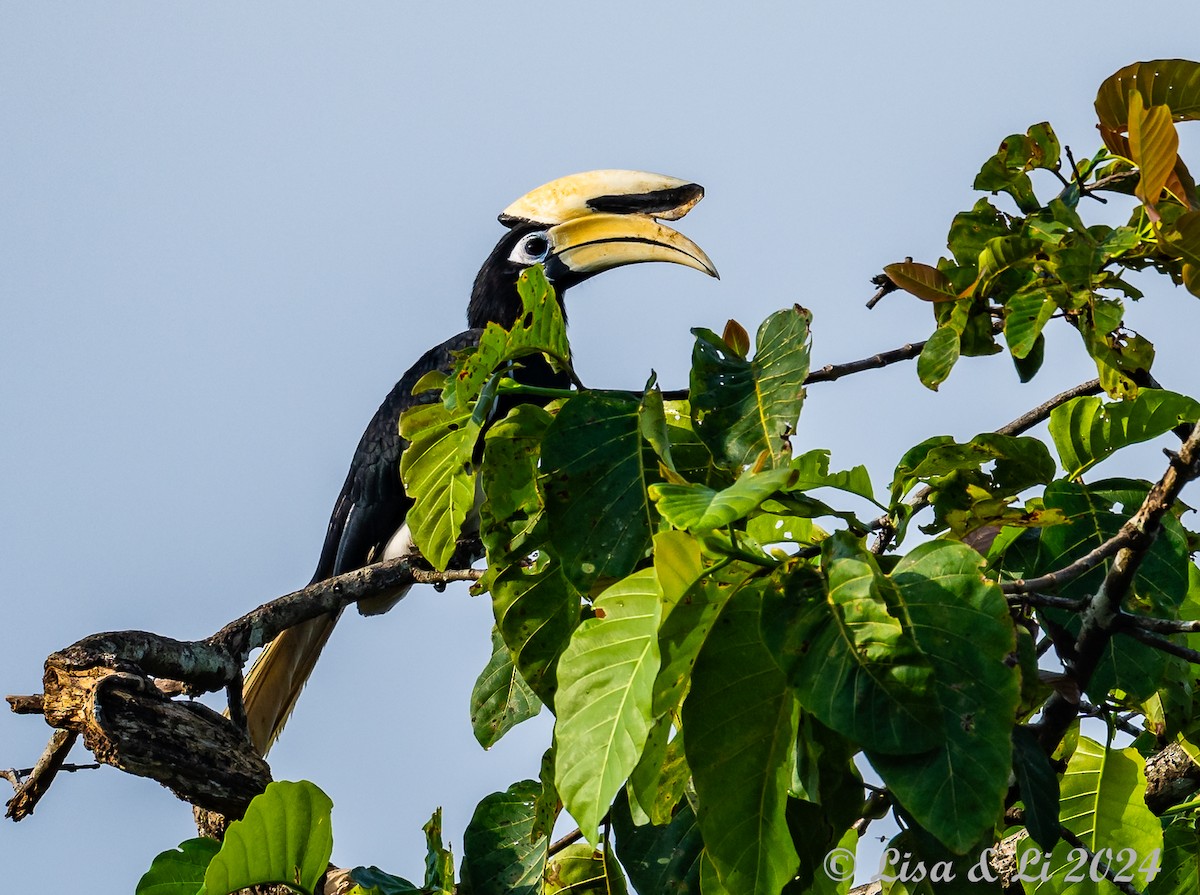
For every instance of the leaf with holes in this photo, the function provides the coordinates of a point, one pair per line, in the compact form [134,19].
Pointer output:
[1025,316]
[503,852]
[961,622]
[741,408]
[593,470]
[500,699]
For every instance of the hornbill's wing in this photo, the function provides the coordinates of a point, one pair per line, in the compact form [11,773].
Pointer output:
[369,512]
[576,227]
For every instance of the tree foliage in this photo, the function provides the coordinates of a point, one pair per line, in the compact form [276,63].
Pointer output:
[731,635]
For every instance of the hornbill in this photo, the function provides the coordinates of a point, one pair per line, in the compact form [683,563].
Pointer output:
[575,227]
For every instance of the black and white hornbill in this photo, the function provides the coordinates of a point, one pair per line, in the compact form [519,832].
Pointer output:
[576,227]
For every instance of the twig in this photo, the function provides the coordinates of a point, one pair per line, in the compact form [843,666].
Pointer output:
[40,777]
[1159,625]
[886,284]
[1158,642]
[1083,189]
[1095,711]
[1028,420]
[1098,862]
[830,372]
[25,705]
[1048,601]
[570,839]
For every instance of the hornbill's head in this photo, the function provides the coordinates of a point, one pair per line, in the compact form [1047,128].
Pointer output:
[580,225]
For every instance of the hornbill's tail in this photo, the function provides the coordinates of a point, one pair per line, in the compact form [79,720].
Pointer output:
[274,682]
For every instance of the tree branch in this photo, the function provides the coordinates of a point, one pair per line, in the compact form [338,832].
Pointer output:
[1100,619]
[1158,642]
[30,791]
[114,689]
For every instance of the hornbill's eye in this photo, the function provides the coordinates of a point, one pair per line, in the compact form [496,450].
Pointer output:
[532,249]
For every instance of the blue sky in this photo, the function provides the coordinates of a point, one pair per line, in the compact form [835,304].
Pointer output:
[225,231]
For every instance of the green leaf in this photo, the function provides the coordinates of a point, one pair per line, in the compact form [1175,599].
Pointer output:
[710,883]
[542,329]
[938,357]
[438,475]
[500,699]
[1191,277]
[1180,874]
[961,622]
[1104,804]
[696,507]
[921,280]
[653,418]
[180,870]
[740,719]
[1088,429]
[1182,239]
[1159,585]
[741,408]
[660,780]
[581,870]
[284,838]
[851,662]
[536,610]
[592,461]
[677,564]
[972,230]
[510,515]
[999,255]
[605,679]
[1038,785]
[439,862]
[812,471]
[1020,461]
[659,859]
[684,630]
[502,852]
[373,881]
[1026,314]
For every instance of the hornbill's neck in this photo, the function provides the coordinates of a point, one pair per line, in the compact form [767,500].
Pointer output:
[494,297]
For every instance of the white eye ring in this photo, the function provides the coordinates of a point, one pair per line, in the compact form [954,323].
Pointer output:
[532,249]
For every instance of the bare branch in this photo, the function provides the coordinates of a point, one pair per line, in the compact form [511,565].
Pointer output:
[34,786]
[107,688]
[1029,419]
[1047,601]
[1159,625]
[1158,642]
[830,372]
